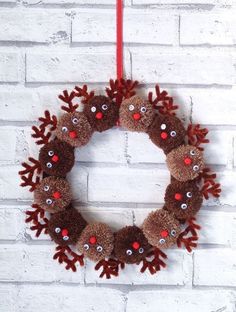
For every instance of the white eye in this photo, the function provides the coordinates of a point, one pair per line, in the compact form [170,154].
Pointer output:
[75,120]
[57,230]
[163,126]
[86,246]
[131,107]
[141,250]
[64,129]
[143,109]
[195,168]
[184,206]
[49,165]
[162,241]
[173,133]
[192,152]
[104,107]
[173,233]
[189,194]
[48,201]
[99,248]
[65,238]
[50,153]
[129,252]
[93,109]
[46,188]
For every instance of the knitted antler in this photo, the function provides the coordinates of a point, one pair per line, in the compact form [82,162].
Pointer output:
[40,132]
[167,106]
[109,267]
[68,98]
[37,216]
[156,264]
[69,257]
[83,92]
[189,242]
[27,175]
[197,135]
[210,186]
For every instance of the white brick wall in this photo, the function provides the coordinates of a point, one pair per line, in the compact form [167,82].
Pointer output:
[188,46]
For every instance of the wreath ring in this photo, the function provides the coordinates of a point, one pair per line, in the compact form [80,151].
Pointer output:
[53,212]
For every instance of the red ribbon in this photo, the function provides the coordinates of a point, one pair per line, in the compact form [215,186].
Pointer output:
[119,39]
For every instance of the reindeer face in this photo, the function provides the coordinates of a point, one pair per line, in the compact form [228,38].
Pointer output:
[56,158]
[96,241]
[161,229]
[183,199]
[74,129]
[167,132]
[102,113]
[53,194]
[131,246]
[65,227]
[136,114]
[185,162]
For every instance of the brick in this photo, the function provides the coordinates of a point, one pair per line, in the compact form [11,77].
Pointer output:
[228,196]
[8,294]
[8,136]
[212,29]
[90,2]
[177,2]
[11,222]
[9,67]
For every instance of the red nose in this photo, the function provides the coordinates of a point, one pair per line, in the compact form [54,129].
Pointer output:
[187,161]
[178,196]
[72,134]
[99,115]
[164,135]
[136,116]
[135,245]
[64,232]
[164,233]
[92,240]
[56,195]
[55,158]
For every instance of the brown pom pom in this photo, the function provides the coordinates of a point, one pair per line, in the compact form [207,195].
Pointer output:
[57,158]
[96,241]
[167,132]
[102,113]
[74,129]
[183,199]
[53,194]
[185,162]
[131,246]
[65,227]
[136,114]
[161,229]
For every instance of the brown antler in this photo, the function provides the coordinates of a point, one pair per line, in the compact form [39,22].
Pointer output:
[197,135]
[110,267]
[69,257]
[189,236]
[68,98]
[83,92]
[156,264]
[27,175]
[40,132]
[167,106]
[37,216]
[210,186]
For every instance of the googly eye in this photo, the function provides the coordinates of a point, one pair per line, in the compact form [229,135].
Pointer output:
[57,230]
[173,133]
[49,165]
[129,252]
[86,247]
[131,107]
[189,194]
[173,233]
[192,152]
[75,120]
[99,248]
[195,168]
[46,188]
[64,129]
[143,109]
[104,107]
[184,206]
[48,201]
[162,241]
[50,153]
[93,109]
[163,126]
[141,250]
[65,238]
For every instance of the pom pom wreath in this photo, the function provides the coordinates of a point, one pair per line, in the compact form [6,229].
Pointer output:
[53,194]
[183,199]
[65,227]
[185,162]
[57,158]
[161,229]
[131,246]
[96,241]
[74,129]
[102,113]
[167,132]
[136,114]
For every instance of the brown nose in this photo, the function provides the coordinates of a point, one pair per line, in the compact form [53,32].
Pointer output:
[99,115]
[136,116]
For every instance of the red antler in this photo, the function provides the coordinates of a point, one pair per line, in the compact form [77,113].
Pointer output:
[210,186]
[156,264]
[167,106]
[69,257]
[68,98]
[197,135]
[37,216]
[40,132]
[83,92]
[28,173]
[189,236]
[109,267]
